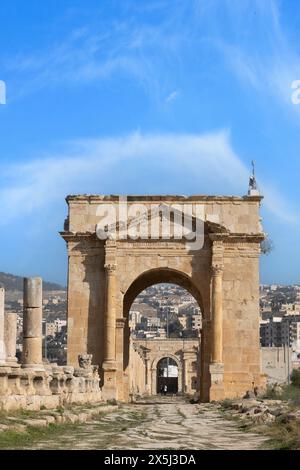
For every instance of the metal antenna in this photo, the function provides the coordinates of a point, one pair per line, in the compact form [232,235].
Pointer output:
[252,180]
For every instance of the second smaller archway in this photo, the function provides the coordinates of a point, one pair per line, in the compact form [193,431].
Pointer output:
[166,371]
[167,376]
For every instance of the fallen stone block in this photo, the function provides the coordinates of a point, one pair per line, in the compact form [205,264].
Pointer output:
[4,427]
[70,418]
[49,418]
[39,423]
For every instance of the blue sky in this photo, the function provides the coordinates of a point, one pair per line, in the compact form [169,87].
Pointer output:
[160,96]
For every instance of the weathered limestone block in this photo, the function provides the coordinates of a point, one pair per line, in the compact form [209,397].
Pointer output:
[10,338]
[85,360]
[4,381]
[32,324]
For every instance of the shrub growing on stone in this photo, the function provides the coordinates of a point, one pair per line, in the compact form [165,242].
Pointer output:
[295,377]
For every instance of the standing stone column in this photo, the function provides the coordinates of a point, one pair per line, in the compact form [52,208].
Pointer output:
[184,374]
[216,367]
[110,316]
[147,376]
[217,315]
[32,323]
[10,333]
[120,323]
[2,343]
[109,364]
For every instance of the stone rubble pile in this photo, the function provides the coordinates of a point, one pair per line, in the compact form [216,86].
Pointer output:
[259,411]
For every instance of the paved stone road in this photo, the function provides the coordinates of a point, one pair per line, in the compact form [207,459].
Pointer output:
[159,424]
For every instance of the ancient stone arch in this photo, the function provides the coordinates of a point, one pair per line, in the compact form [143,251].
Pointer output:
[105,275]
[154,371]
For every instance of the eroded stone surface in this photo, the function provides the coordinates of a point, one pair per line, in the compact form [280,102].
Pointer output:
[165,424]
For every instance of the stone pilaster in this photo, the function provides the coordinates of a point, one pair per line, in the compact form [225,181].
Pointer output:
[109,365]
[120,323]
[217,315]
[2,343]
[185,374]
[147,376]
[32,324]
[217,367]
[10,330]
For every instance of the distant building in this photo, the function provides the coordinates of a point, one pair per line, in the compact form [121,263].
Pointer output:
[51,328]
[196,322]
[280,331]
[183,321]
[149,322]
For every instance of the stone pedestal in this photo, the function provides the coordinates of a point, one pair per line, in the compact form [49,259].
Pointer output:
[216,382]
[2,343]
[32,324]
[109,390]
[10,335]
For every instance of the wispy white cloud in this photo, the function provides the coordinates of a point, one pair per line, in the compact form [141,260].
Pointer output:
[271,61]
[173,163]
[91,54]
[152,53]
[172,96]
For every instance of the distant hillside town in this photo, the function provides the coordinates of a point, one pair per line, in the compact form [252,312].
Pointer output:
[169,311]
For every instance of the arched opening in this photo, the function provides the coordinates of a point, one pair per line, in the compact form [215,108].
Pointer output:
[173,324]
[167,376]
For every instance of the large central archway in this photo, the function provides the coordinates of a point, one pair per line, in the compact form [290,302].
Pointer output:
[184,347]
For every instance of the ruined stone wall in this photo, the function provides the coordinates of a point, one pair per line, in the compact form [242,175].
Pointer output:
[34,384]
[276,363]
[136,372]
[53,387]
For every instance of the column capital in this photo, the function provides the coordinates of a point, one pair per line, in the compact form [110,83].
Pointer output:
[110,268]
[217,270]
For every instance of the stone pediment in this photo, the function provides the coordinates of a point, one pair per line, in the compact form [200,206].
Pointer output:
[160,216]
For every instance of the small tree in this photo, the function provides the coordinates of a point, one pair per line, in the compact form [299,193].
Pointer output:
[266,246]
[295,378]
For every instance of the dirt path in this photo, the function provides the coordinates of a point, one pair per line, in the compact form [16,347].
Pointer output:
[160,424]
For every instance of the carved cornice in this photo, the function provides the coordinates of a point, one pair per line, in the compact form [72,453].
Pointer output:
[230,237]
[157,198]
[78,236]
[246,238]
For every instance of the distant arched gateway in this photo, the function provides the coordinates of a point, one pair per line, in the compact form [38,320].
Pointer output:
[151,242]
[167,374]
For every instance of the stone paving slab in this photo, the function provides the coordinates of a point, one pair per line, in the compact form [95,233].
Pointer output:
[157,426]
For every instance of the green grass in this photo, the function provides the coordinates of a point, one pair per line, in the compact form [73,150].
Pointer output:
[227,403]
[282,436]
[289,393]
[19,440]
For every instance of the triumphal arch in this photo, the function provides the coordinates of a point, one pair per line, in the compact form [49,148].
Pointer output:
[210,245]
